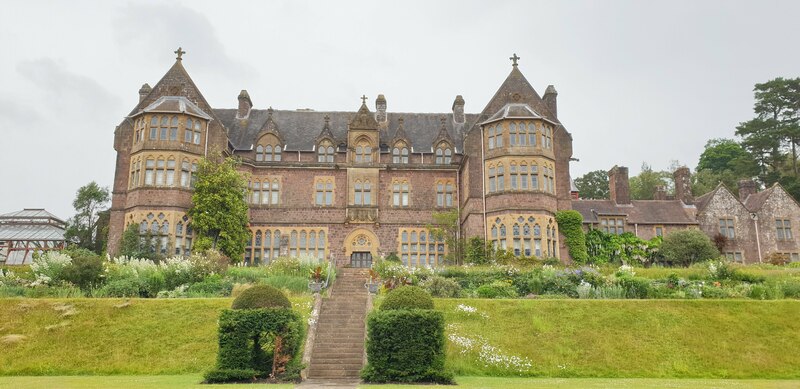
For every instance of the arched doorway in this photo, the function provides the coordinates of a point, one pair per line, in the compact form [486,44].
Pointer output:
[361,246]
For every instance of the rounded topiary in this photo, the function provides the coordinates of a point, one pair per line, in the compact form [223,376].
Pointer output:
[261,296]
[407,297]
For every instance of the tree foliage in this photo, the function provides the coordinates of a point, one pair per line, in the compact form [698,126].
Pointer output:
[82,229]
[593,185]
[685,247]
[723,161]
[219,210]
[643,185]
[773,135]
[446,227]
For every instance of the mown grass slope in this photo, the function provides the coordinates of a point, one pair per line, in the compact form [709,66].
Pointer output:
[111,336]
[625,338]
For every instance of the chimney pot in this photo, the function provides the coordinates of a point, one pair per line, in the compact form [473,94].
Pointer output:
[458,110]
[660,193]
[380,109]
[550,99]
[144,91]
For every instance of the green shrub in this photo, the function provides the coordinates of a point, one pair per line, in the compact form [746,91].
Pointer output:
[120,288]
[766,292]
[476,251]
[213,285]
[570,224]
[85,270]
[230,375]
[392,257]
[635,287]
[791,288]
[407,297]
[714,292]
[497,289]
[685,247]
[439,286]
[261,296]
[406,346]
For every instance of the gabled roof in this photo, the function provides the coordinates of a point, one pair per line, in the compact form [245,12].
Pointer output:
[516,90]
[34,224]
[400,133]
[444,135]
[638,212]
[176,104]
[29,213]
[755,201]
[363,119]
[326,131]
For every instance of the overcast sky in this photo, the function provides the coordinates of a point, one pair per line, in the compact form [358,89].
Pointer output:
[638,81]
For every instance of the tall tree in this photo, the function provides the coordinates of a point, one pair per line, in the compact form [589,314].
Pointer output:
[723,161]
[776,127]
[219,211]
[593,185]
[446,227]
[643,185]
[82,229]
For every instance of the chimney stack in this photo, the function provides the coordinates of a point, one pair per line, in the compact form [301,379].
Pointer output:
[660,193]
[458,110]
[144,91]
[683,185]
[550,96]
[245,104]
[746,188]
[380,109]
[618,185]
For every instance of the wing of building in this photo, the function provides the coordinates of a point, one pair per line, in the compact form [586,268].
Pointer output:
[350,186]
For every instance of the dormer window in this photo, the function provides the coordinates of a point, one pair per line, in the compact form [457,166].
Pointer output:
[400,153]
[444,154]
[325,152]
[268,148]
[363,152]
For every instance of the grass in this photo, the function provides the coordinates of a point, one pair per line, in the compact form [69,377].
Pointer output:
[192,382]
[630,338]
[108,337]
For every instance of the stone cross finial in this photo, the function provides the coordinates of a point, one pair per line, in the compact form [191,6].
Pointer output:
[270,111]
[180,53]
[514,59]
[327,120]
[363,99]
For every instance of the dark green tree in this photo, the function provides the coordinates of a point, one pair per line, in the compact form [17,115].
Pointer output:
[135,245]
[775,128]
[723,161]
[593,185]
[82,229]
[219,211]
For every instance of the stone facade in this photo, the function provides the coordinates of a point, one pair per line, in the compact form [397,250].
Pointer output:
[348,186]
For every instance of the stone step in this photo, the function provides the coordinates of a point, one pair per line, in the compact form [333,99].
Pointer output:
[339,354]
[354,360]
[337,349]
[317,373]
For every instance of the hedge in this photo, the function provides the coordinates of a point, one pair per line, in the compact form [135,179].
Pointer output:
[407,297]
[406,346]
[241,335]
[261,296]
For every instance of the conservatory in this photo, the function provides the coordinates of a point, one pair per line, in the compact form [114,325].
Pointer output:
[26,232]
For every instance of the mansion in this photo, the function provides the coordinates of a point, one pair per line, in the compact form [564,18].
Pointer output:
[350,186]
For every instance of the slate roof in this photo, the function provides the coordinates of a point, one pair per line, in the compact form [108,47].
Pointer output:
[638,212]
[176,104]
[514,111]
[300,128]
[755,201]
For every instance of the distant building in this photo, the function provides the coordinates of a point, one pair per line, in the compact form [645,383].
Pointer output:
[349,186]
[26,232]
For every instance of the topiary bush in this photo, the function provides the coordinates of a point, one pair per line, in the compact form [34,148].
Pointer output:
[570,224]
[406,346]
[407,297]
[261,296]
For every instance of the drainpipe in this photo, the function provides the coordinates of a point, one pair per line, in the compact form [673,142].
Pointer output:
[754,216]
[636,229]
[458,207]
[483,188]
[205,151]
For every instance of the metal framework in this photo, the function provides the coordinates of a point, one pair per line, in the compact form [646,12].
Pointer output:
[26,232]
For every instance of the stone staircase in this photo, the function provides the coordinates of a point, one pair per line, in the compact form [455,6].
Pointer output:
[338,351]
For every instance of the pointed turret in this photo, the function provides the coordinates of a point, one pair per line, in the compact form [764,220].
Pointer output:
[326,132]
[516,90]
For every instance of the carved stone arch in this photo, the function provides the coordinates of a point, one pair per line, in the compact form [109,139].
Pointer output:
[361,239]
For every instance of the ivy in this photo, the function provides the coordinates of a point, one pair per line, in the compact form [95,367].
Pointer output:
[570,224]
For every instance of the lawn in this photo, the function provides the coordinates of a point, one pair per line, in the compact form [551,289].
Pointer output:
[192,382]
[624,338]
[112,336]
